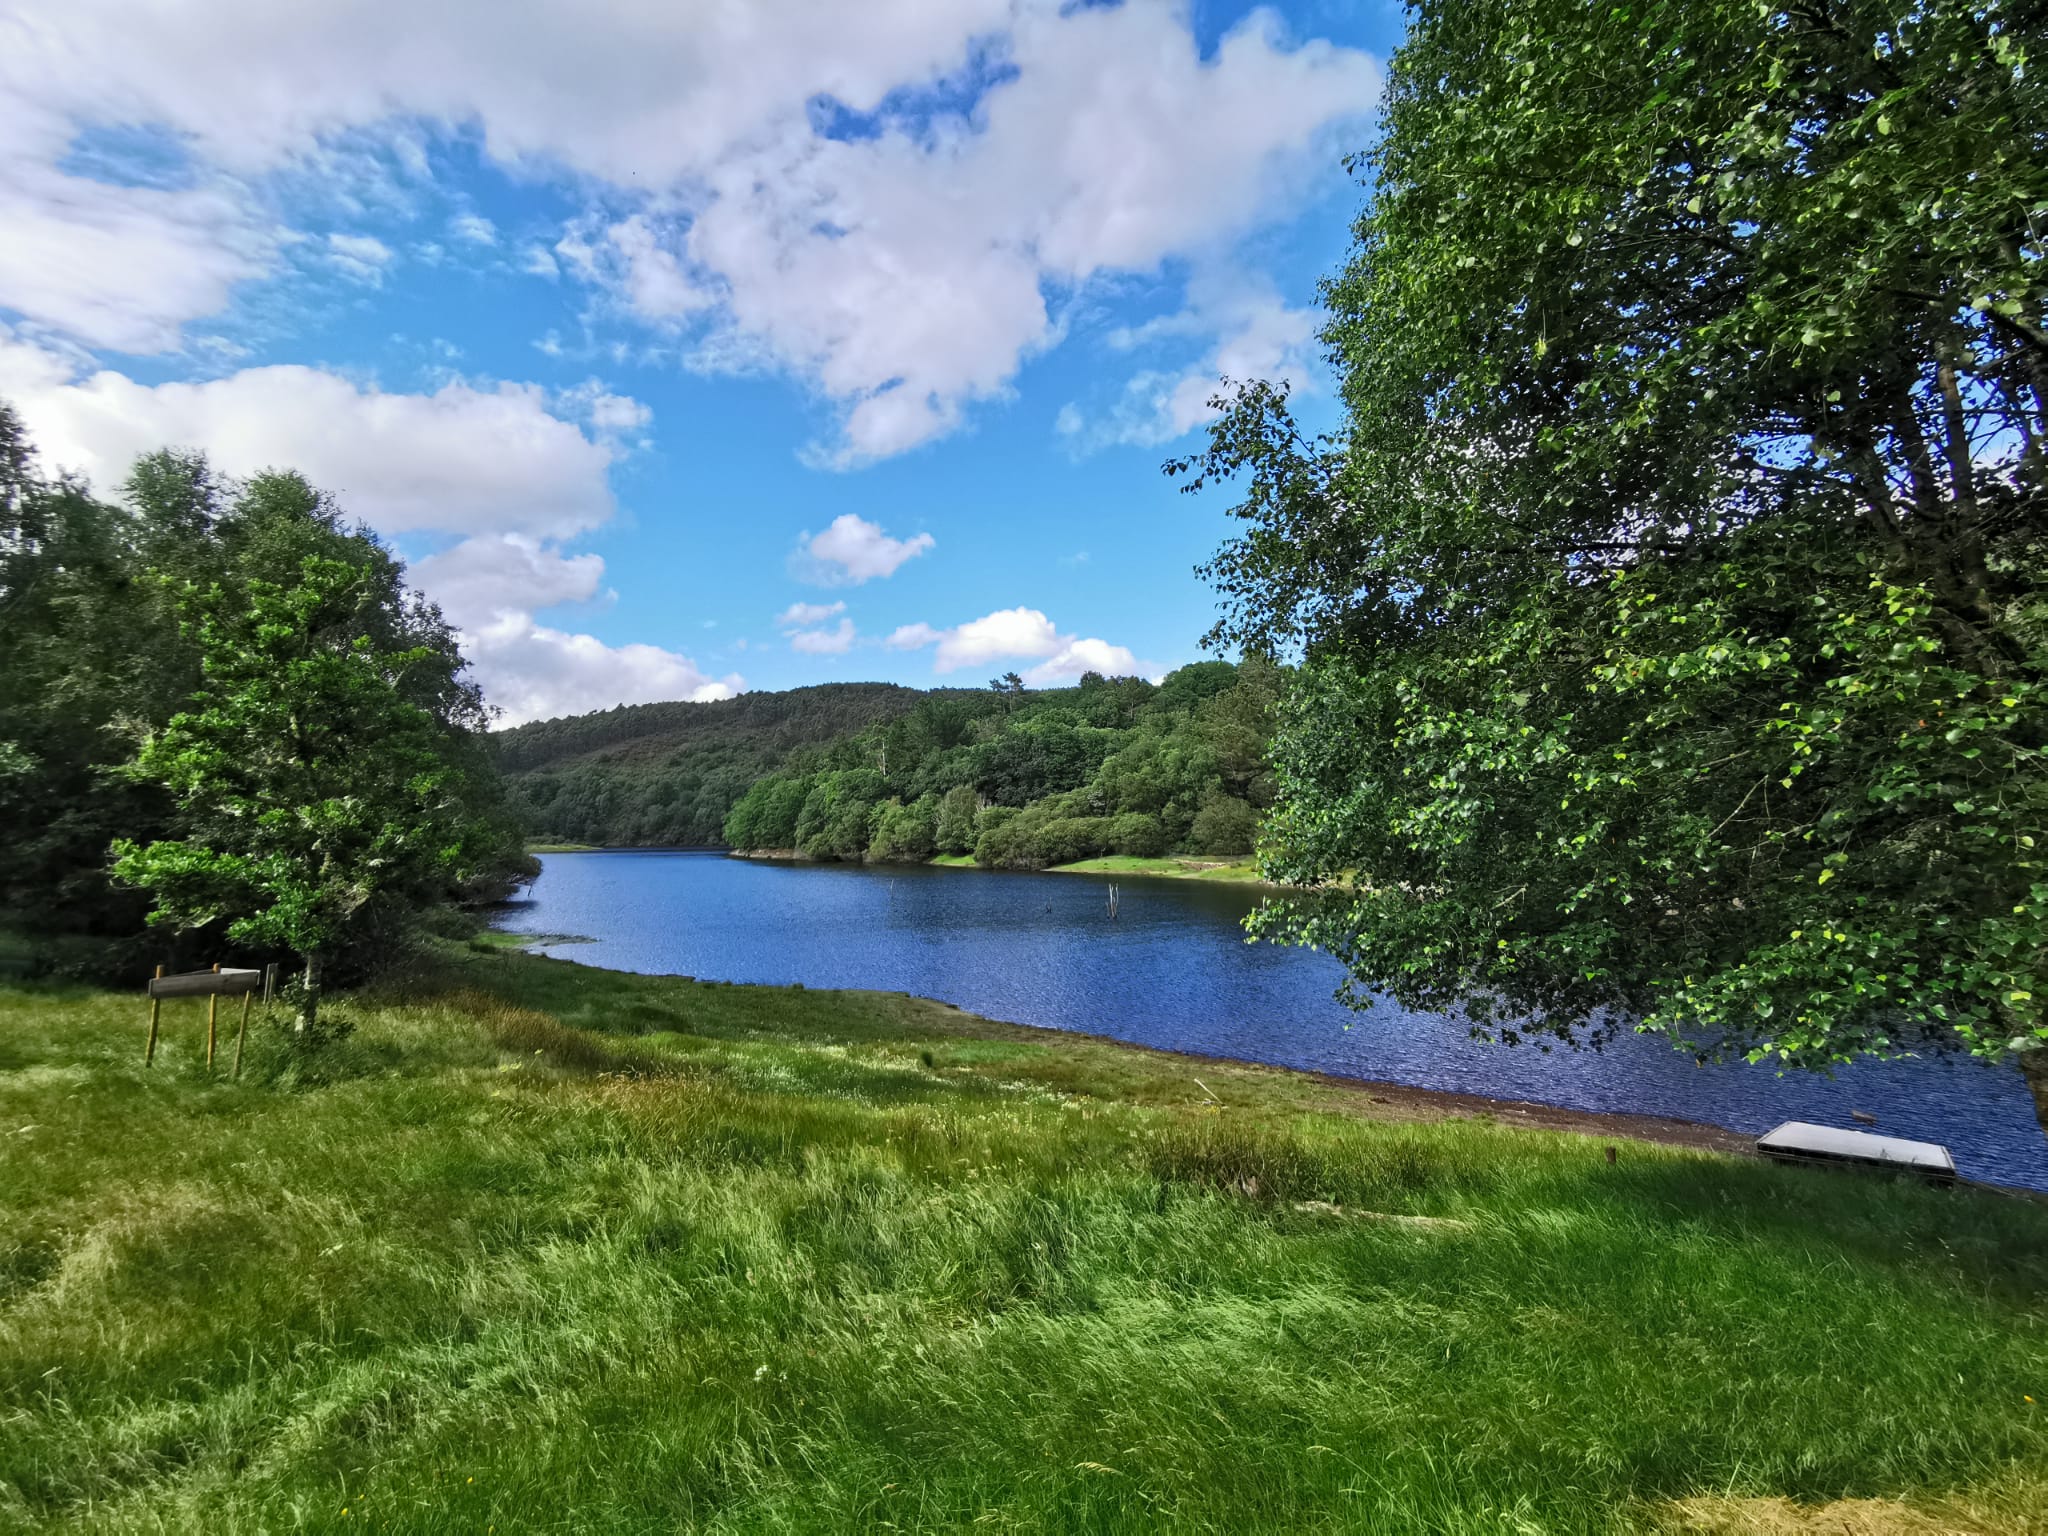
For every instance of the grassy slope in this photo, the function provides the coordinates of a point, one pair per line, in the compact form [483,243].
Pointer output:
[556,1249]
[1172,868]
[1120,864]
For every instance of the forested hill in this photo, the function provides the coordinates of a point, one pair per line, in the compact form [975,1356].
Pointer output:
[872,770]
[1113,766]
[654,774]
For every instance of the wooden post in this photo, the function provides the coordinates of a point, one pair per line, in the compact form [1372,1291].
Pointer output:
[242,1033]
[212,1019]
[269,982]
[155,1003]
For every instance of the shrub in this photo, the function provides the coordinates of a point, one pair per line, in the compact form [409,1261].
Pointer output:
[905,834]
[1137,835]
[1224,825]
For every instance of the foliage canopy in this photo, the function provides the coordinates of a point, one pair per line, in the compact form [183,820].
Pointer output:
[1028,779]
[239,690]
[1670,601]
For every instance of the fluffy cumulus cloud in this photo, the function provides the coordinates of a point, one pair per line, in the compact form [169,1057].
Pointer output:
[490,466]
[248,93]
[903,270]
[486,579]
[906,273]
[532,672]
[1018,634]
[490,587]
[464,458]
[853,551]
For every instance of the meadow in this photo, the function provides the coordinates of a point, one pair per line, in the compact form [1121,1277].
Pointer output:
[547,1248]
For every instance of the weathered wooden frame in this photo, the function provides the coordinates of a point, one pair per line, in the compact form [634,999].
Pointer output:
[212,985]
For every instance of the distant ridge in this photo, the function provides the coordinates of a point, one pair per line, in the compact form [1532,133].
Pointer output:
[667,774]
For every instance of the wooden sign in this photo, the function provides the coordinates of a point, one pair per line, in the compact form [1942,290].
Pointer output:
[213,983]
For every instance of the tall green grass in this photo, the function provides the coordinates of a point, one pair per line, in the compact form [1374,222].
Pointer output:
[552,1249]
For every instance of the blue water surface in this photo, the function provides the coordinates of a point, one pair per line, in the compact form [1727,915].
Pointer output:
[1174,971]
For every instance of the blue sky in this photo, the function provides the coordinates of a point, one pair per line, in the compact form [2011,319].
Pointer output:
[695,348]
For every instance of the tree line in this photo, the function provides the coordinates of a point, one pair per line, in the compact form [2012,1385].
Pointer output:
[1024,779]
[228,726]
[667,775]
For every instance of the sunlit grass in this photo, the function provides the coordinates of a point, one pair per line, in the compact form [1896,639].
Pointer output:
[1172,868]
[558,1249]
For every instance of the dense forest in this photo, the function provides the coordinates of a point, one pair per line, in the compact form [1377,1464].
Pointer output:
[1026,780]
[667,775]
[876,771]
[190,670]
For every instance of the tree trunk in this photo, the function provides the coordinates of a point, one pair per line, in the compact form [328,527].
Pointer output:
[309,998]
[2034,1068]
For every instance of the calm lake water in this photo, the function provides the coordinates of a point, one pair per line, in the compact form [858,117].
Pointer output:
[1175,971]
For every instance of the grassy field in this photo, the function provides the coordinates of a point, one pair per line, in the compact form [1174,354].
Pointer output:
[544,1248]
[1172,868]
[561,848]
[1123,864]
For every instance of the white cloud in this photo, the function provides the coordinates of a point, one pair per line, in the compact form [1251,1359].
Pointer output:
[536,261]
[490,588]
[655,283]
[532,672]
[490,577]
[462,459]
[802,615]
[902,272]
[1009,632]
[1258,337]
[117,266]
[836,641]
[1017,634]
[905,273]
[610,415]
[613,89]
[853,551]
[473,229]
[1078,656]
[360,257]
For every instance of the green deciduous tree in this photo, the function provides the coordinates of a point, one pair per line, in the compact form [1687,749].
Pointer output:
[328,774]
[1670,600]
[905,834]
[955,831]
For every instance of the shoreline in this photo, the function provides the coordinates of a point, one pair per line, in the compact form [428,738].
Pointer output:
[1215,871]
[1422,1104]
[1374,1099]
[1371,1098]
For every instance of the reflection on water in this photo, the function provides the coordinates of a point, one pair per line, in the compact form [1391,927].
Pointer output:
[1175,971]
